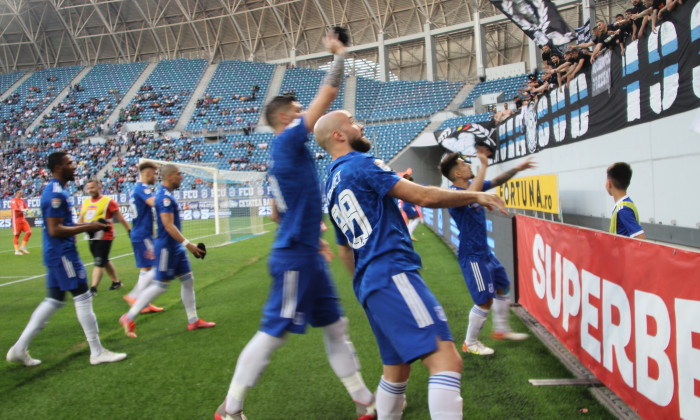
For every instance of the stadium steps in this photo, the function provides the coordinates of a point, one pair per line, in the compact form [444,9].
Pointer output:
[350,94]
[14,86]
[461,96]
[108,165]
[131,93]
[59,98]
[196,95]
[429,129]
[272,91]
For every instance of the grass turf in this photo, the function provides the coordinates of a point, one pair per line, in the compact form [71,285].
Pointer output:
[174,373]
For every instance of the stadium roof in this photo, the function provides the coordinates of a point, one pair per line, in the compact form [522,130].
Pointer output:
[50,33]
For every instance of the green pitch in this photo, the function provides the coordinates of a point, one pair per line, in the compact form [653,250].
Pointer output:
[178,374]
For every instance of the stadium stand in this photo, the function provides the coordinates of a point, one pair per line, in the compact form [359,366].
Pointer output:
[23,106]
[465,119]
[231,102]
[509,86]
[304,83]
[90,103]
[9,79]
[165,93]
[24,165]
[403,99]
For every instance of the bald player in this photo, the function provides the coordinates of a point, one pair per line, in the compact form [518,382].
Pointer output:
[302,291]
[374,243]
[171,256]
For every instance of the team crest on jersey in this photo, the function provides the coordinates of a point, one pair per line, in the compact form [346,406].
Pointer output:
[55,203]
[166,202]
[381,164]
[90,212]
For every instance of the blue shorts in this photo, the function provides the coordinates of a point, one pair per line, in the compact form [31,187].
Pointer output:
[66,276]
[410,210]
[484,275]
[301,292]
[144,253]
[171,262]
[406,319]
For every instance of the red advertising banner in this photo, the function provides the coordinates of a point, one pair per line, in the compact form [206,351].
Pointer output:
[629,310]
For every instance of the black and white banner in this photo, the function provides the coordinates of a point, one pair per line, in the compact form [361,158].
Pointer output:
[464,138]
[658,77]
[583,34]
[539,19]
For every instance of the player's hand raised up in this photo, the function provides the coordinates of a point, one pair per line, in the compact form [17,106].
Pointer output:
[333,44]
[528,164]
[491,202]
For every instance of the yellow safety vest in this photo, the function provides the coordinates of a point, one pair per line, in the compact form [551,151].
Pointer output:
[623,203]
[93,211]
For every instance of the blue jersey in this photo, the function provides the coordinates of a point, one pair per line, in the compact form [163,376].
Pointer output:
[54,203]
[369,221]
[471,222]
[410,210]
[142,213]
[296,189]
[165,203]
[625,219]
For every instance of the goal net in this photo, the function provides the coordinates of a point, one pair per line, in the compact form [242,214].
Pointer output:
[218,207]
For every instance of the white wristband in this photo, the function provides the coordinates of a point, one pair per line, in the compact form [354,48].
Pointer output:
[185,242]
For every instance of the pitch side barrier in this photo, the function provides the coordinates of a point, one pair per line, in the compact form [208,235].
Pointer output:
[196,204]
[628,310]
[658,76]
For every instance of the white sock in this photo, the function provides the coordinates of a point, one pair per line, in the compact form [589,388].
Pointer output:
[477,319]
[343,360]
[501,307]
[145,278]
[37,322]
[88,320]
[390,399]
[412,225]
[155,289]
[250,365]
[187,295]
[444,399]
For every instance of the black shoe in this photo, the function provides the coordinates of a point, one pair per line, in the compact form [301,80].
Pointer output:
[115,286]
[93,290]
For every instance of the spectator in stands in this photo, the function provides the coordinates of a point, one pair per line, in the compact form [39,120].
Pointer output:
[625,219]
[506,113]
[605,38]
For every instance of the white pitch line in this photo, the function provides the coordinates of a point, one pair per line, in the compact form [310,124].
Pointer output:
[42,275]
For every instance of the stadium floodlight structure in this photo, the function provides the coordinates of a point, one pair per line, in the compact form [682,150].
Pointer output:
[226,206]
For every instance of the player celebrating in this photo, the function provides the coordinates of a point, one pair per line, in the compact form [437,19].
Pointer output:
[486,278]
[171,253]
[64,270]
[302,290]
[18,206]
[101,207]
[407,320]
[141,202]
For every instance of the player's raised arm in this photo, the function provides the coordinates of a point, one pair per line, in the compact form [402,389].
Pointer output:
[331,83]
[478,182]
[434,197]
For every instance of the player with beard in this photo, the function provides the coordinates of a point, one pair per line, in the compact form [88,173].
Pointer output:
[302,291]
[408,322]
[101,207]
[486,278]
[64,270]
[171,254]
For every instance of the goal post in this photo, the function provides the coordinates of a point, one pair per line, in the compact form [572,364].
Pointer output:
[218,206]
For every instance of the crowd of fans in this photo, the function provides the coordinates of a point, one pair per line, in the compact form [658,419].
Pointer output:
[561,66]
[25,164]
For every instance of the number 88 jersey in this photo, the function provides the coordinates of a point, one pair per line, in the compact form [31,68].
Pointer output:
[368,220]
